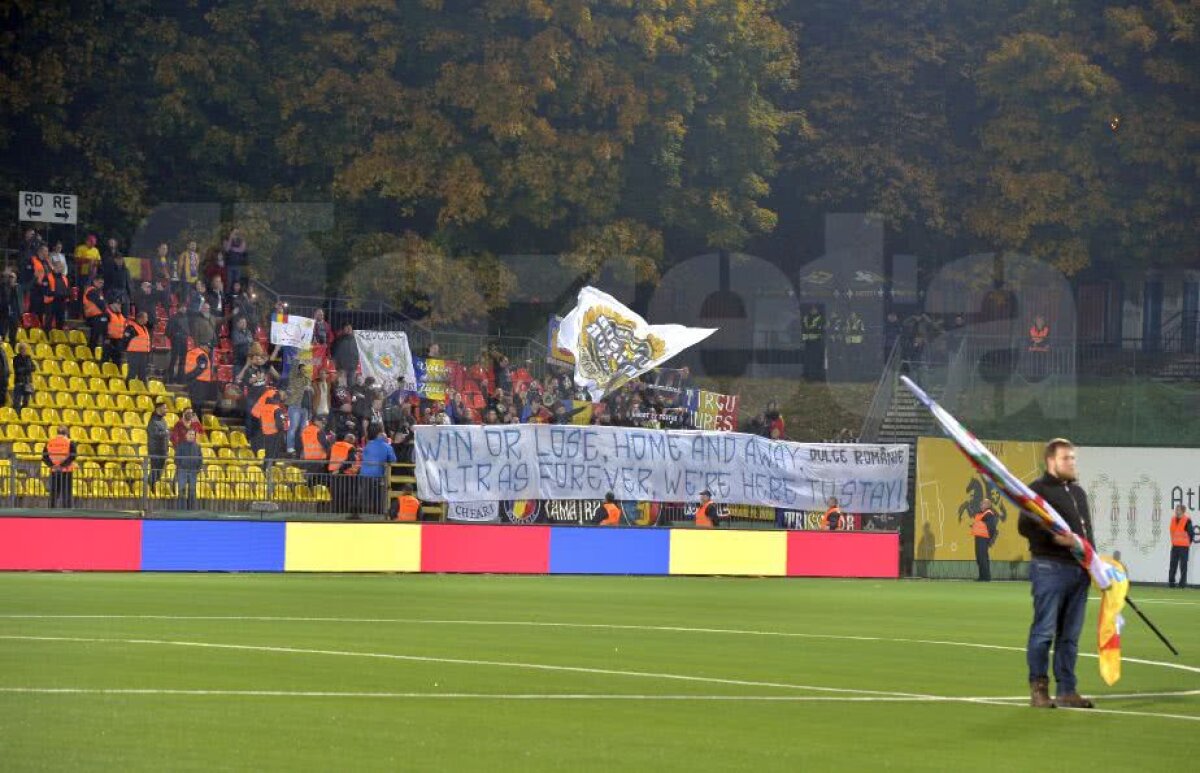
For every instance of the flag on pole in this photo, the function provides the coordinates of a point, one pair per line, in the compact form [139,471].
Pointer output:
[1107,574]
[612,345]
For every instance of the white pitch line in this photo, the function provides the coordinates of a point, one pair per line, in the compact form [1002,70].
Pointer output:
[904,697]
[1177,602]
[472,662]
[602,626]
[1104,695]
[472,696]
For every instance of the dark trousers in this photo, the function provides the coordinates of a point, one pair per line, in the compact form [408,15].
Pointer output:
[113,351]
[60,489]
[1059,591]
[175,364]
[139,364]
[21,395]
[814,360]
[55,315]
[156,470]
[97,330]
[8,328]
[982,544]
[1179,558]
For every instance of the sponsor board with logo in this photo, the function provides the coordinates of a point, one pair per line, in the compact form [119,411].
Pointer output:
[473,512]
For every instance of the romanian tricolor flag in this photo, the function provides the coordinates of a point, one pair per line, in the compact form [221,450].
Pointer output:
[1107,574]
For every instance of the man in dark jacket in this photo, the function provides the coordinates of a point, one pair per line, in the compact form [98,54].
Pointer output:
[1059,583]
[10,307]
[158,437]
[345,351]
[178,333]
[4,373]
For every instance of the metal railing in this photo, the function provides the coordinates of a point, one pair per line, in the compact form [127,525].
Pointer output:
[884,391]
[156,485]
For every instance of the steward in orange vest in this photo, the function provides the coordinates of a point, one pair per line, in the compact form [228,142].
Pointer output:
[343,456]
[116,335]
[1039,334]
[612,513]
[273,419]
[56,291]
[314,445]
[832,519]
[137,346]
[1183,534]
[983,528]
[198,372]
[408,506]
[59,456]
[706,513]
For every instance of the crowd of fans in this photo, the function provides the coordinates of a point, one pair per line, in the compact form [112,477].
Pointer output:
[196,312]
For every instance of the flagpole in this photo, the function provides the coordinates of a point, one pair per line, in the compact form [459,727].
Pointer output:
[1153,627]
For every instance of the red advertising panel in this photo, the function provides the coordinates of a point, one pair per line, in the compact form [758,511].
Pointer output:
[482,548]
[70,543]
[843,554]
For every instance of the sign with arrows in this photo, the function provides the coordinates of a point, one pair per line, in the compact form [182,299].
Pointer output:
[38,207]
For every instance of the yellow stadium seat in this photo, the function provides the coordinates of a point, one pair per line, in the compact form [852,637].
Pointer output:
[22,335]
[85,402]
[64,400]
[320,493]
[98,434]
[37,335]
[70,416]
[63,352]
[182,403]
[29,415]
[112,419]
[7,415]
[49,368]
[39,382]
[117,385]
[56,383]
[104,450]
[14,431]
[89,369]
[145,403]
[50,416]
[127,451]
[219,438]
[92,418]
[69,367]
[97,385]
[119,435]
[21,448]
[210,422]
[85,449]
[100,489]
[206,452]
[77,337]
[246,454]
[303,493]
[120,489]
[58,336]
[110,370]
[43,351]
[156,387]
[102,402]
[135,419]
[122,402]
[237,439]
[32,487]
[43,400]
[135,386]
[36,432]
[77,384]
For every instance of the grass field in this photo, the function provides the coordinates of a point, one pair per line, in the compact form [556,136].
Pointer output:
[321,672]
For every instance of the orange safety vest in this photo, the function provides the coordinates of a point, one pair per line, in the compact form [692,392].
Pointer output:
[193,356]
[1037,338]
[310,441]
[53,279]
[264,411]
[827,519]
[90,309]
[58,448]
[613,515]
[410,506]
[978,527]
[116,325]
[1179,535]
[141,339]
[338,454]
[39,269]
[703,519]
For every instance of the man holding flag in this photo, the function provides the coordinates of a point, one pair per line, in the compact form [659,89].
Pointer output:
[1059,583]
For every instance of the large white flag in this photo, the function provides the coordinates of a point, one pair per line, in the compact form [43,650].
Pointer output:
[612,345]
[385,355]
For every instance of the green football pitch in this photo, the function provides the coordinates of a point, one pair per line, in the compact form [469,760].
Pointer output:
[379,672]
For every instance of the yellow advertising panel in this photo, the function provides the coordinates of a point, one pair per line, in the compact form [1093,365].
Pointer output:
[950,490]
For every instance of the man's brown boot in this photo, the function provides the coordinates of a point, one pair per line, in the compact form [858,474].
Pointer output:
[1074,701]
[1039,693]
